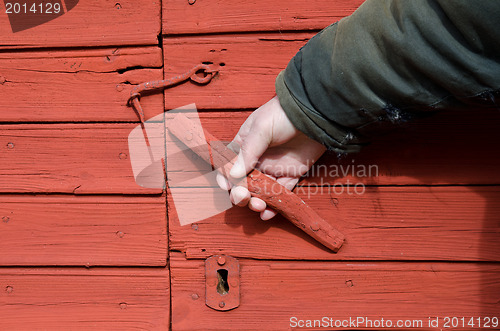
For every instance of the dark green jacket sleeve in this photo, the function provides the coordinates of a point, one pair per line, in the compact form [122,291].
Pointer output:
[391,61]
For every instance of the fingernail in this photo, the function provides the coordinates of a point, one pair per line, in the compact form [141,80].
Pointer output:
[267,214]
[223,182]
[238,169]
[238,195]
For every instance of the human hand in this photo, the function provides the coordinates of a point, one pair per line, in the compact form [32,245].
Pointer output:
[269,142]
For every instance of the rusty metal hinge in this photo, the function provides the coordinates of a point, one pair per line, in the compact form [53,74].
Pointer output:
[222,282]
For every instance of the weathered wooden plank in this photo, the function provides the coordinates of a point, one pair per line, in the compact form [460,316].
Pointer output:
[247,64]
[272,293]
[89,23]
[214,16]
[84,230]
[77,85]
[381,223]
[83,299]
[448,148]
[68,158]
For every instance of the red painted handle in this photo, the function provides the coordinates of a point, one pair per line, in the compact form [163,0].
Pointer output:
[261,186]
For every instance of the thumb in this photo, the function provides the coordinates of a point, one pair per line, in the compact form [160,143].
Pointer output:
[251,149]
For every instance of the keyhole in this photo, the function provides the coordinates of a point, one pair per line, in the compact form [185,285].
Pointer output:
[222,285]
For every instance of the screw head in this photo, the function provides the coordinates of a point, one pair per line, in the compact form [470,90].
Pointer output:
[119,87]
[120,234]
[195,296]
[10,145]
[123,305]
[9,289]
[123,156]
[6,219]
[194,227]
[191,2]
[222,304]
[221,260]
[189,136]
[2,80]
[335,202]
[315,226]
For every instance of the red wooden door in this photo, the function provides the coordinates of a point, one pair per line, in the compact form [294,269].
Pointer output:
[84,247]
[421,238]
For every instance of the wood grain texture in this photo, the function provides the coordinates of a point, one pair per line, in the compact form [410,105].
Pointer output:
[67,158]
[83,231]
[77,158]
[273,292]
[91,23]
[384,223]
[248,65]
[212,16]
[83,299]
[77,85]
[448,148]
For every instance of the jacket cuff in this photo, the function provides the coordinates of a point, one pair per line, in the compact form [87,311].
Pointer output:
[312,123]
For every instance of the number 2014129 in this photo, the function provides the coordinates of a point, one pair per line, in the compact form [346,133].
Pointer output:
[35,8]
[464,322]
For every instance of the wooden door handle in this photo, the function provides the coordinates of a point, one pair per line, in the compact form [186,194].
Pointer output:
[261,186]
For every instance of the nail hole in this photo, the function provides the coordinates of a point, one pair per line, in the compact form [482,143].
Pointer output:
[222,285]
[222,64]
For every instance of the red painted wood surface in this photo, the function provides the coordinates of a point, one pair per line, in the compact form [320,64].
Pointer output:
[77,85]
[83,299]
[79,68]
[449,148]
[384,223]
[90,23]
[435,207]
[67,158]
[212,16]
[73,158]
[272,292]
[247,64]
[82,230]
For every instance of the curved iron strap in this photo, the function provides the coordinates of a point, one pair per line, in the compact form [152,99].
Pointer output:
[201,74]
